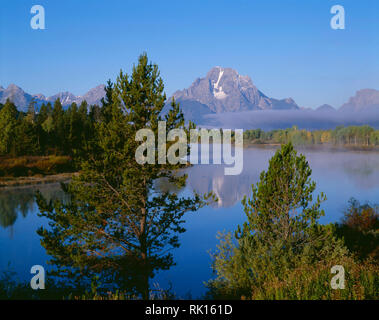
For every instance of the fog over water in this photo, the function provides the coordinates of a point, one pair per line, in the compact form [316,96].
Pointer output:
[278,119]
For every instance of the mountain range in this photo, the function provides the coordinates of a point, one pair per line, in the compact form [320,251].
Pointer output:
[325,107]
[222,90]
[22,99]
[364,100]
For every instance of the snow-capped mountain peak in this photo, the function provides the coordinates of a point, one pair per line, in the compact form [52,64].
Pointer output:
[217,89]
[225,90]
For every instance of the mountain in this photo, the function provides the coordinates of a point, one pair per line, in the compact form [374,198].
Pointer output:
[22,99]
[17,95]
[325,107]
[66,98]
[192,110]
[364,100]
[224,90]
[94,96]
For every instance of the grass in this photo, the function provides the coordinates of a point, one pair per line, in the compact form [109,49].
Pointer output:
[35,166]
[313,283]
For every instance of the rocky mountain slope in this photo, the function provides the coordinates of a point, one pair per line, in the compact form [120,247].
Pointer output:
[364,100]
[22,99]
[224,90]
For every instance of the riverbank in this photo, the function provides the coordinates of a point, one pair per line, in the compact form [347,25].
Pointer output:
[50,175]
[31,170]
[6,182]
[29,166]
[315,147]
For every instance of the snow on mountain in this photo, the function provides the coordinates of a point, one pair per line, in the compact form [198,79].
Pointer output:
[224,90]
[22,99]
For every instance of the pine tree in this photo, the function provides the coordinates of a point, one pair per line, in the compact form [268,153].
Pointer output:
[59,134]
[119,224]
[72,128]
[107,102]
[8,121]
[31,114]
[26,141]
[281,232]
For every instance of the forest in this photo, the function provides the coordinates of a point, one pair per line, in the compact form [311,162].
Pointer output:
[45,141]
[54,130]
[50,140]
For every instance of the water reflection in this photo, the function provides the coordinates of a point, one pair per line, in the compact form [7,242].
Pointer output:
[228,189]
[340,175]
[361,168]
[17,202]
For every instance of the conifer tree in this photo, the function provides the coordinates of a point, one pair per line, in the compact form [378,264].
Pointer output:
[118,223]
[26,142]
[59,133]
[31,114]
[281,232]
[8,121]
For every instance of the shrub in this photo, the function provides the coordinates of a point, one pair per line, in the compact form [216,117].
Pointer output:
[359,229]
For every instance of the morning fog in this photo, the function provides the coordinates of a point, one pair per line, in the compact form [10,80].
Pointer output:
[178,151]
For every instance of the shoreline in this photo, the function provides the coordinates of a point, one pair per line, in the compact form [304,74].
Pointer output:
[9,182]
[318,147]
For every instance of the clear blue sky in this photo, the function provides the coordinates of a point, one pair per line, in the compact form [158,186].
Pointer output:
[287,47]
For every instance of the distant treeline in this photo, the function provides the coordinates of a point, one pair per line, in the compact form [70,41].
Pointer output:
[360,136]
[54,130]
[50,131]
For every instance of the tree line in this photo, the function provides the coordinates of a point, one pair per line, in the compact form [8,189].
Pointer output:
[53,130]
[360,136]
[49,130]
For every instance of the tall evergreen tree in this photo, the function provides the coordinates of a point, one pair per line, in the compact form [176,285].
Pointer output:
[59,133]
[85,126]
[119,223]
[26,142]
[8,121]
[107,102]
[31,114]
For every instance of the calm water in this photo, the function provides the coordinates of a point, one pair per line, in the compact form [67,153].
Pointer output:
[340,175]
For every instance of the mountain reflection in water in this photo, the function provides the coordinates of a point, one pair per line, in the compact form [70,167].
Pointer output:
[339,174]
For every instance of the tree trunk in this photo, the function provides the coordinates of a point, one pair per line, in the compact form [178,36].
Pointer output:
[145,279]
[142,240]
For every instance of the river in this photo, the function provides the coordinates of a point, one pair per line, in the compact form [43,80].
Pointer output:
[339,174]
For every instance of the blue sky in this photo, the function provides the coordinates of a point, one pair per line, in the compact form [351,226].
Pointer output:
[287,47]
